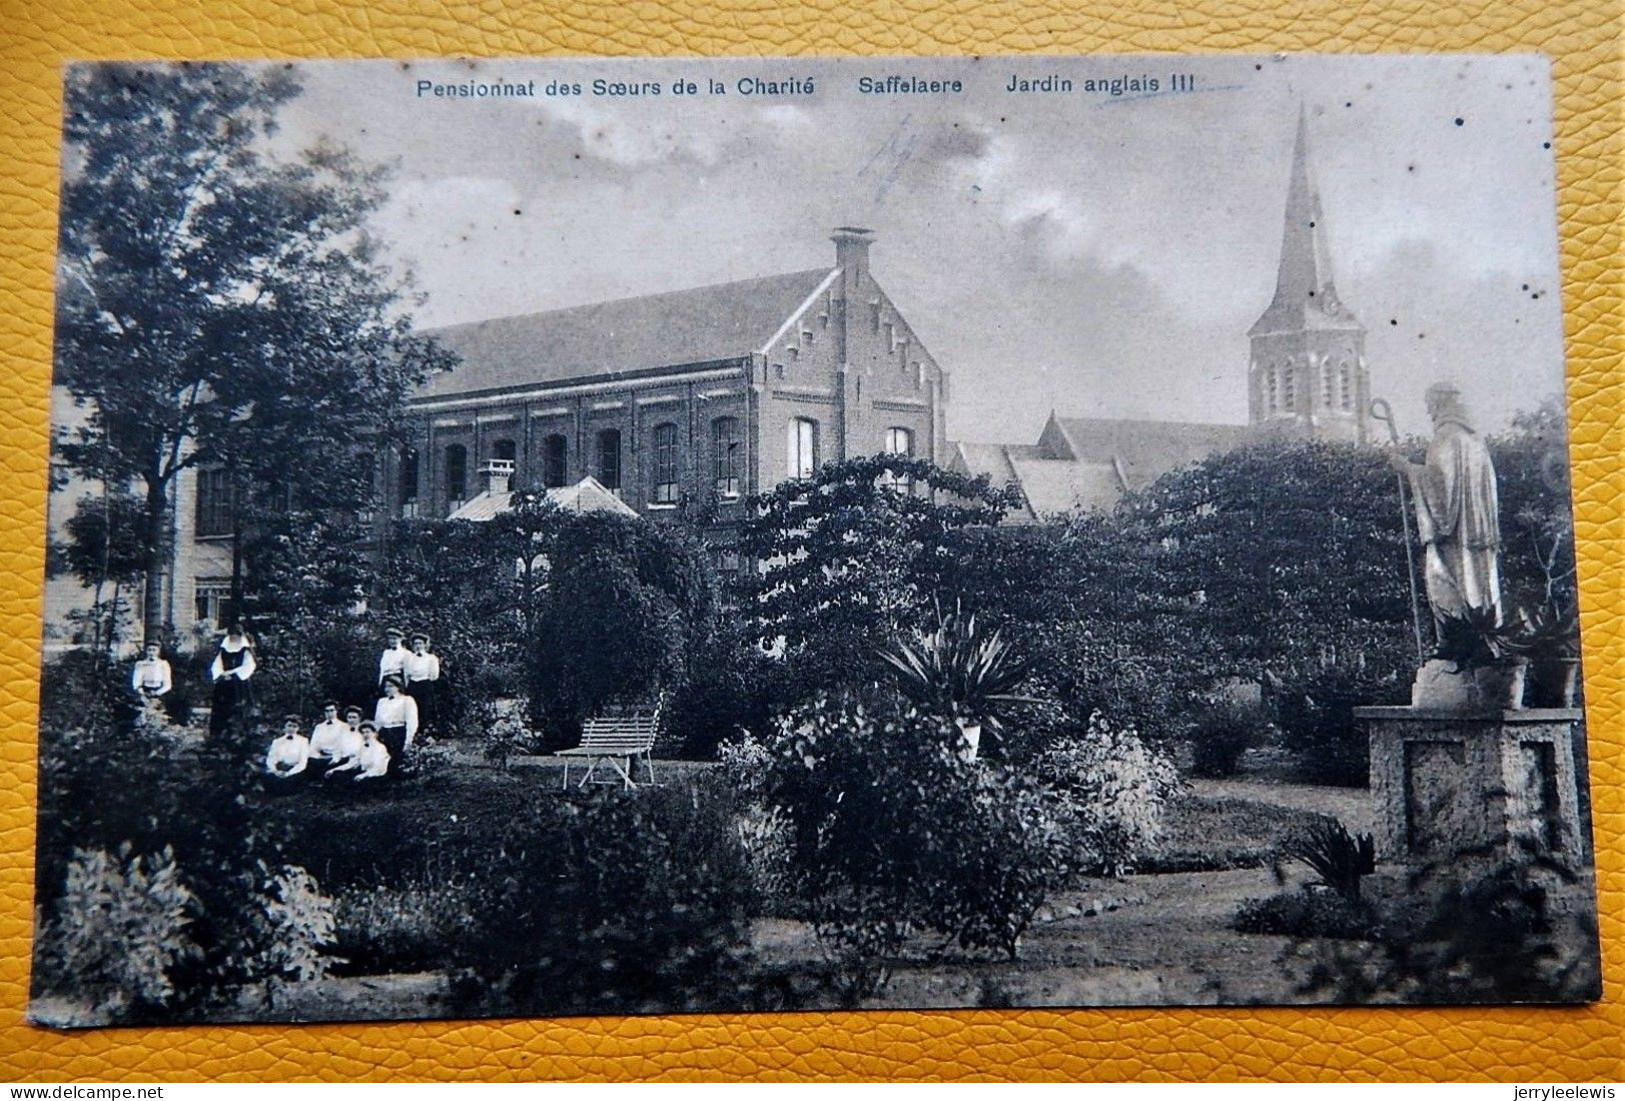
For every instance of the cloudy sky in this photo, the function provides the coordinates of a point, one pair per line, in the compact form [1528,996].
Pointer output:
[1099,255]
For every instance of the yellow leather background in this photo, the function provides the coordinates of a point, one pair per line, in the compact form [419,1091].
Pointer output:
[1583,39]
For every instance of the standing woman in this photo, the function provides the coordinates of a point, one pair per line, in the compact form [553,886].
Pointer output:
[230,671]
[397,720]
[422,672]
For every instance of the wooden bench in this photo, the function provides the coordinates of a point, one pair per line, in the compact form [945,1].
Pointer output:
[618,737]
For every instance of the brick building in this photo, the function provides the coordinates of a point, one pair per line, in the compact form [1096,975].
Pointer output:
[690,398]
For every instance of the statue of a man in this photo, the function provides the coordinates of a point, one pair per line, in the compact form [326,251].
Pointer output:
[1457,513]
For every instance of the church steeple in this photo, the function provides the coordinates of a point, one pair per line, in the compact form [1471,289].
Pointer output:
[1308,373]
[1305,294]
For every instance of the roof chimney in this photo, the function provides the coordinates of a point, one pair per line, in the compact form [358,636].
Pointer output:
[852,249]
[497,473]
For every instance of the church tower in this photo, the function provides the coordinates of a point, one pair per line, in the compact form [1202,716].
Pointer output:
[1308,374]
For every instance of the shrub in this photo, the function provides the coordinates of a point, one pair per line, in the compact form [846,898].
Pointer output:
[763,831]
[1512,930]
[426,759]
[730,688]
[1113,789]
[1305,914]
[1221,735]
[1314,709]
[84,690]
[891,830]
[291,927]
[119,928]
[611,902]
[501,723]
[257,920]
[380,929]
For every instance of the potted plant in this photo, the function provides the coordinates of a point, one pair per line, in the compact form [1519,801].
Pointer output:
[959,669]
[1482,650]
[1548,636]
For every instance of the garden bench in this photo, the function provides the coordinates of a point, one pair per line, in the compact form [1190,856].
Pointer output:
[618,737]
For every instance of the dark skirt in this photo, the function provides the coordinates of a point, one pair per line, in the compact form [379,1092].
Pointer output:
[426,694]
[394,739]
[230,696]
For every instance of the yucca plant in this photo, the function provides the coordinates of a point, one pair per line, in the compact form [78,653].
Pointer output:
[1339,858]
[959,669]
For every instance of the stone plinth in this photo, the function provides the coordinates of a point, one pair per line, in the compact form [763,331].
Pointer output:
[1448,782]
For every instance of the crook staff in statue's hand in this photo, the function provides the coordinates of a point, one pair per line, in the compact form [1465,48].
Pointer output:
[1381,411]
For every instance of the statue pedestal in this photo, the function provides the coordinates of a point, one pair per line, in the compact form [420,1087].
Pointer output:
[1447,782]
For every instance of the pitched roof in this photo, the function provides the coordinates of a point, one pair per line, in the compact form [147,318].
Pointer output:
[1146,450]
[1061,485]
[997,461]
[1087,464]
[587,495]
[614,339]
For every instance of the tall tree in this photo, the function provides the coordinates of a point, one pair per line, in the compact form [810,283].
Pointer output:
[219,306]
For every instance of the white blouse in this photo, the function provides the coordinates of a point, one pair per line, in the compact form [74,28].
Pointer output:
[374,760]
[400,711]
[152,674]
[392,662]
[288,755]
[334,741]
[421,667]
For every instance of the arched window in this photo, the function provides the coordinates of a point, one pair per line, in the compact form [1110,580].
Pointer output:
[801,448]
[1271,399]
[899,441]
[666,466]
[1289,389]
[609,459]
[409,475]
[503,449]
[1345,384]
[1328,379]
[727,453]
[555,461]
[456,472]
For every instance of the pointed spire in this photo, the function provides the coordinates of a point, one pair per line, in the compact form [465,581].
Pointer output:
[1305,295]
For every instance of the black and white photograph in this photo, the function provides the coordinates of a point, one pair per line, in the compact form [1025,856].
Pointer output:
[542,538]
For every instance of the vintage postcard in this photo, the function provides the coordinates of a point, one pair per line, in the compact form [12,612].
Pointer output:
[617,537]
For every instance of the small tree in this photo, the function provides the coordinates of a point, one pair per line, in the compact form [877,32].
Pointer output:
[626,605]
[104,552]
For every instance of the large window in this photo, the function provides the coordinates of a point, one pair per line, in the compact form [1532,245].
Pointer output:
[215,499]
[726,456]
[211,598]
[456,472]
[666,466]
[555,461]
[899,441]
[609,459]
[409,475]
[801,452]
